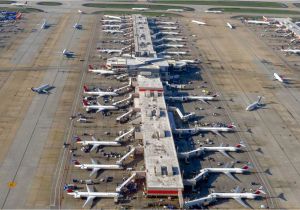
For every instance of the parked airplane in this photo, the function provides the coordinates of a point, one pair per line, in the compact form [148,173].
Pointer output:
[222,149]
[80,11]
[227,170]
[102,71]
[214,11]
[230,26]
[167,27]
[112,17]
[97,92]
[95,143]
[175,10]
[236,195]
[198,22]
[77,26]
[216,130]
[292,51]
[98,107]
[166,23]
[110,51]
[258,22]
[280,78]
[45,25]
[68,53]
[91,195]
[19,4]
[111,21]
[204,99]
[139,8]
[255,105]
[43,89]
[96,167]
[173,53]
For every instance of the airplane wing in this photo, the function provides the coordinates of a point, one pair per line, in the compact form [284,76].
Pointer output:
[89,189]
[95,170]
[237,189]
[240,201]
[93,161]
[94,147]
[100,109]
[203,101]
[217,133]
[88,200]
[224,153]
[230,175]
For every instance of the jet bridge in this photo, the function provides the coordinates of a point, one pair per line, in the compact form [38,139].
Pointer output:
[123,100]
[123,116]
[119,188]
[179,113]
[191,153]
[120,162]
[125,134]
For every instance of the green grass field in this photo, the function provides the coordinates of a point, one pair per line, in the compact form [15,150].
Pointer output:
[257,11]
[23,10]
[115,12]
[225,3]
[7,2]
[129,6]
[49,3]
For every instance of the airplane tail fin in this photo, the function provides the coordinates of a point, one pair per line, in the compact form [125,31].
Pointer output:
[259,191]
[85,88]
[240,145]
[70,190]
[19,15]
[85,102]
[245,167]
[259,99]
[33,89]
[76,162]
[90,67]
[231,125]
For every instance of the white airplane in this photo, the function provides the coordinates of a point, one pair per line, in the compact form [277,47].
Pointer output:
[68,53]
[173,53]
[213,11]
[292,51]
[96,167]
[139,8]
[198,22]
[19,4]
[255,105]
[195,130]
[111,21]
[236,195]
[258,22]
[77,26]
[43,89]
[101,71]
[280,78]
[112,17]
[98,107]
[97,92]
[166,23]
[227,170]
[204,99]
[91,195]
[222,149]
[113,31]
[176,86]
[230,26]
[45,25]
[168,27]
[175,10]
[110,51]
[96,143]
